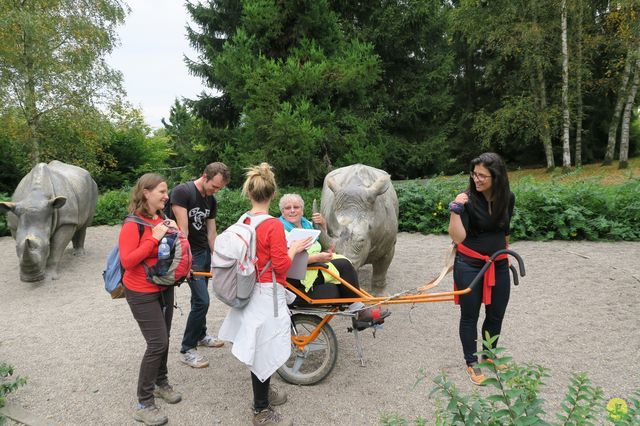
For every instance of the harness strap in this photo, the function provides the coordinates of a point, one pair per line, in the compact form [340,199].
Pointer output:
[489,279]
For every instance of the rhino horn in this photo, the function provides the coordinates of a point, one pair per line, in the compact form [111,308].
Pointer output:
[58,202]
[379,187]
[6,206]
[30,243]
[333,186]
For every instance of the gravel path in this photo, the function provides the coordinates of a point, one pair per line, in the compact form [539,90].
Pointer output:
[578,309]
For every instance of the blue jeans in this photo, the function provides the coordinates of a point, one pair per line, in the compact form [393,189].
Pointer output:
[196,327]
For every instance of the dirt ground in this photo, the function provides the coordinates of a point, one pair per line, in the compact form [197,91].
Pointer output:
[576,310]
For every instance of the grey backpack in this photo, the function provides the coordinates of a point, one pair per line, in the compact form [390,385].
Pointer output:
[233,261]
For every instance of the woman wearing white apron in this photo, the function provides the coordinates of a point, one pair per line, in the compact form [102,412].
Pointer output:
[260,339]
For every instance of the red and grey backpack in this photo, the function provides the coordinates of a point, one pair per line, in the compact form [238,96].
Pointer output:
[175,269]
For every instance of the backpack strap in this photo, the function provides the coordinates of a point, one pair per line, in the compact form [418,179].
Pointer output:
[192,193]
[141,223]
[255,221]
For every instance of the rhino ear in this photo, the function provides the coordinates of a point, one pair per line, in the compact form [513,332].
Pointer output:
[333,186]
[379,187]
[7,206]
[58,202]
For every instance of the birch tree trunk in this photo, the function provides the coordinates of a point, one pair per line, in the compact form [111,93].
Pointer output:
[544,119]
[566,146]
[615,120]
[578,155]
[626,117]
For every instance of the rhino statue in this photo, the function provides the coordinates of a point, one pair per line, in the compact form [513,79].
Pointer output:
[360,207]
[52,205]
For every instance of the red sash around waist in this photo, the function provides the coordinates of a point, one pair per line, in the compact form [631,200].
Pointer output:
[489,274]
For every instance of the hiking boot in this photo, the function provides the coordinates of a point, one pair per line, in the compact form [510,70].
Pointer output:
[167,393]
[269,416]
[277,396]
[475,374]
[210,342]
[149,415]
[193,359]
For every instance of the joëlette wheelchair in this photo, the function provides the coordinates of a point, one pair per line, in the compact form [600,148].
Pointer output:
[314,346]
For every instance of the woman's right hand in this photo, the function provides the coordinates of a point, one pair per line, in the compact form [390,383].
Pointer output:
[462,198]
[159,230]
[298,246]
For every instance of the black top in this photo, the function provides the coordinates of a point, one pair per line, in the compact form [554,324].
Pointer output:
[483,234]
[197,214]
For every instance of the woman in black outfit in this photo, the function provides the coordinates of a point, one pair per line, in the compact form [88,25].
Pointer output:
[479,225]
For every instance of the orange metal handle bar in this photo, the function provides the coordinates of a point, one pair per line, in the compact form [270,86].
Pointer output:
[365,297]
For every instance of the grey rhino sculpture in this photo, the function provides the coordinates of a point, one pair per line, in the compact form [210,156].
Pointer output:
[360,206]
[52,205]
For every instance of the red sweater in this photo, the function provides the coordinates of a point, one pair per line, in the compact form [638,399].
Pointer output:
[272,245]
[134,251]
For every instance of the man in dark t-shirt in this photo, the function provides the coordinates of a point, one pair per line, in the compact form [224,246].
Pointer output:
[194,208]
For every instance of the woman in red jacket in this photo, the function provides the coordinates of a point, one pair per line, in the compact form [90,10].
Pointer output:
[151,305]
[260,339]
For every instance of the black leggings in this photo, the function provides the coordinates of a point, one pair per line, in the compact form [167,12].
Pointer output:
[260,393]
[322,290]
[463,274]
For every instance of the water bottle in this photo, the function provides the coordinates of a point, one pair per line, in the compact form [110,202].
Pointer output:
[164,251]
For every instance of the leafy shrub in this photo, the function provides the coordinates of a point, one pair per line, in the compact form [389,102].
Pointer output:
[112,207]
[544,211]
[424,206]
[515,399]
[584,210]
[4,228]
[8,384]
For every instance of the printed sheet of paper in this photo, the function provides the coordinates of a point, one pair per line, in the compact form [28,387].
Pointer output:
[301,234]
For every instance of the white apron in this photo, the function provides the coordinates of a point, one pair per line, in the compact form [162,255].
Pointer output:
[260,340]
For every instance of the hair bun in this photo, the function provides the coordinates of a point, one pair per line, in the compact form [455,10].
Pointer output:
[265,170]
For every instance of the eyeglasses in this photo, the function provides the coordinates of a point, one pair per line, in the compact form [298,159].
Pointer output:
[479,177]
[292,207]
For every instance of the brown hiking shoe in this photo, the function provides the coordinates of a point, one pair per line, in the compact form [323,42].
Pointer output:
[150,415]
[269,416]
[475,374]
[167,393]
[277,396]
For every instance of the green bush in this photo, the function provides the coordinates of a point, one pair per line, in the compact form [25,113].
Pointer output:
[8,384]
[423,206]
[584,210]
[515,401]
[4,228]
[544,211]
[112,207]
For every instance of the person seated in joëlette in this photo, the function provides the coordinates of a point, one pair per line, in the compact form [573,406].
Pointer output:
[317,284]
